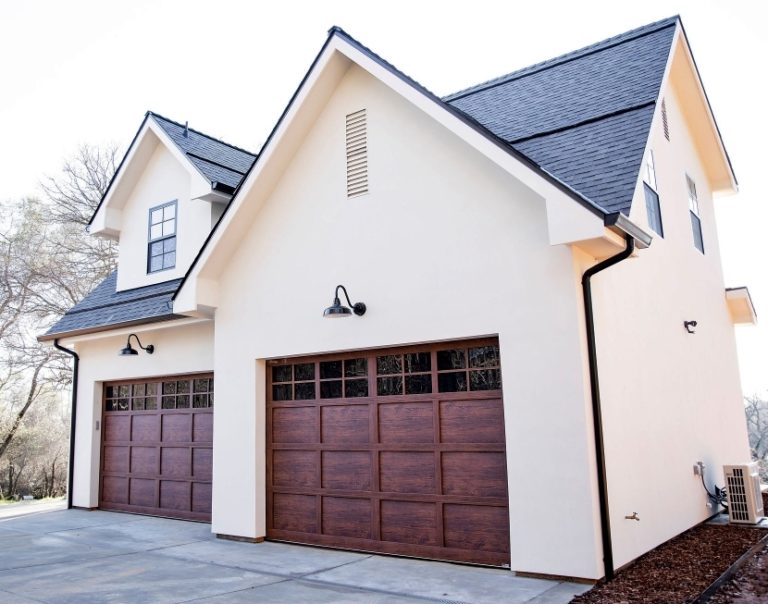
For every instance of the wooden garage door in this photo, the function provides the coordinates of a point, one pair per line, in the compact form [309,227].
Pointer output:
[397,451]
[157,447]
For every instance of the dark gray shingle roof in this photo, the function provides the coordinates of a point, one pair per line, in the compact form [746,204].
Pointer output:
[105,307]
[218,161]
[585,116]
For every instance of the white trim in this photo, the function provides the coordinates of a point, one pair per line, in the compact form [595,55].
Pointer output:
[125,331]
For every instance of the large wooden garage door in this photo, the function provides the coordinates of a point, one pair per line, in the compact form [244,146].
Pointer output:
[157,447]
[397,451]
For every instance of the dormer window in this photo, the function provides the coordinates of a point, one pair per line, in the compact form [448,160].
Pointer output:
[161,253]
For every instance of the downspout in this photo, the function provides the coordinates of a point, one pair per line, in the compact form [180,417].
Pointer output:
[72,420]
[594,382]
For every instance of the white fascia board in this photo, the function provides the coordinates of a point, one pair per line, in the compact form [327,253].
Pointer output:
[73,341]
[186,302]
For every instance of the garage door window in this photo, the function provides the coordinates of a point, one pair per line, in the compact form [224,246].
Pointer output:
[172,394]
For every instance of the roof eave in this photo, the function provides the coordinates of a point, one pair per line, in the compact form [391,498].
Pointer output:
[49,337]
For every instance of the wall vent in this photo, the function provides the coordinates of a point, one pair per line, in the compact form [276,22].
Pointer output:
[357,153]
[745,501]
[664,120]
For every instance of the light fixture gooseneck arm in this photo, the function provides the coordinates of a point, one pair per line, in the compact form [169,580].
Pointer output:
[346,295]
[149,348]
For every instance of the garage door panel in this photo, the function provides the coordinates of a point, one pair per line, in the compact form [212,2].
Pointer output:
[346,470]
[177,428]
[472,421]
[292,468]
[201,497]
[144,460]
[407,423]
[409,522]
[294,425]
[114,489]
[157,447]
[202,430]
[414,465]
[142,492]
[475,474]
[295,513]
[115,459]
[117,428]
[345,424]
[475,527]
[175,495]
[347,517]
[202,463]
[175,462]
[144,428]
[407,472]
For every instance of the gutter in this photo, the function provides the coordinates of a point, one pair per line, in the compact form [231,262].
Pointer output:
[72,420]
[594,382]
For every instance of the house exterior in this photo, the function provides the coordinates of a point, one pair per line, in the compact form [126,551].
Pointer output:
[458,417]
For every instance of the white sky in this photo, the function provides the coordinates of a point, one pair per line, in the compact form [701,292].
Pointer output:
[86,71]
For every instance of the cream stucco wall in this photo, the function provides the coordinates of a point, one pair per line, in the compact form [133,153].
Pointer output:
[669,398]
[164,179]
[179,349]
[446,245]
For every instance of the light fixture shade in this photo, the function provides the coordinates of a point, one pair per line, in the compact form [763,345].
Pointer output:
[128,351]
[337,310]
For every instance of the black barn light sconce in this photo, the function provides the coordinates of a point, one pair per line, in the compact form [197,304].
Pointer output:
[337,310]
[129,350]
[690,326]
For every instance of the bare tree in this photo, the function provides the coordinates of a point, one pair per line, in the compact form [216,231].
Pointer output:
[48,263]
[756,409]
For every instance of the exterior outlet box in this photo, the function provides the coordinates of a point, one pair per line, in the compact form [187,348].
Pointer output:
[745,500]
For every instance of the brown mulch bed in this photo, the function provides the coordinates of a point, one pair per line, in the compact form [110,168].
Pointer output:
[678,571]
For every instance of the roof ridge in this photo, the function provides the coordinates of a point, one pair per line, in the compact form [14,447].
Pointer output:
[213,138]
[627,36]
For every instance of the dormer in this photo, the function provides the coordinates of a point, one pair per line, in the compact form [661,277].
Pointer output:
[167,194]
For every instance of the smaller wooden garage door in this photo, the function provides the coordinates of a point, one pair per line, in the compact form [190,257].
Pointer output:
[398,451]
[157,447]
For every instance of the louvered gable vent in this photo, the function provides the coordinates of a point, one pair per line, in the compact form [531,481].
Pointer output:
[357,153]
[664,121]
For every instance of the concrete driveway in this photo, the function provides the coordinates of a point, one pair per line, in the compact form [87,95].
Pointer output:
[74,556]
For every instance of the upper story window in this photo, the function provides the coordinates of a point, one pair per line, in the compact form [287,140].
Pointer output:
[693,206]
[652,207]
[161,250]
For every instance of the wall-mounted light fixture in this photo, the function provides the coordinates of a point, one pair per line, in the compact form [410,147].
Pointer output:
[689,326]
[337,310]
[131,351]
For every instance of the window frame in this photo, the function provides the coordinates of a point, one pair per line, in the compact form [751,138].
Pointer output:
[694,210]
[650,190]
[162,238]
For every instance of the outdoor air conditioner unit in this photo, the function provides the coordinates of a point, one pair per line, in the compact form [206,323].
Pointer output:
[745,501]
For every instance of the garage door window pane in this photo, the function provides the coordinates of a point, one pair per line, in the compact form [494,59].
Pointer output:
[169,387]
[330,389]
[169,402]
[484,356]
[356,368]
[304,371]
[281,373]
[355,388]
[417,362]
[282,392]
[182,387]
[139,404]
[418,384]
[150,403]
[451,359]
[330,369]
[182,402]
[389,364]
[388,386]
[452,382]
[489,379]
[305,391]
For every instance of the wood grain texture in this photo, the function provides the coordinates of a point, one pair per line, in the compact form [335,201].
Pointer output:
[157,462]
[413,474]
